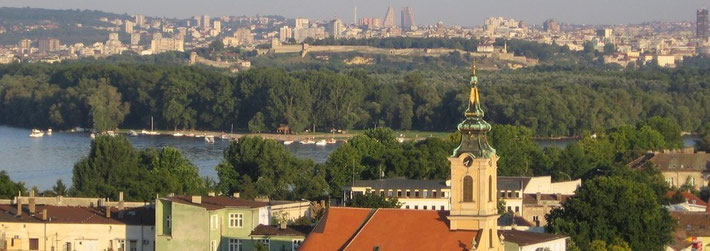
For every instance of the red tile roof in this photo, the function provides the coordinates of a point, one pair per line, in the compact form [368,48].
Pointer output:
[79,215]
[691,198]
[401,229]
[335,229]
[389,229]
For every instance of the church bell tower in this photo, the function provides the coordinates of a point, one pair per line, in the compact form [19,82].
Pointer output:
[474,198]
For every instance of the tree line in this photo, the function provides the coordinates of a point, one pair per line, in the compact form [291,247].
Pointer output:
[549,101]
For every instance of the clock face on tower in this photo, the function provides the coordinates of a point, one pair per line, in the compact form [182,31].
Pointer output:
[468,161]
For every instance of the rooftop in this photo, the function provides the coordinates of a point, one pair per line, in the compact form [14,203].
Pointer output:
[79,215]
[526,238]
[218,202]
[402,183]
[676,160]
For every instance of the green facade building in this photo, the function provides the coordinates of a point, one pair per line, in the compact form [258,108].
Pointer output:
[219,224]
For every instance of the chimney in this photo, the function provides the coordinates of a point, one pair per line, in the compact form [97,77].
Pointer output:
[108,212]
[236,195]
[538,198]
[19,207]
[197,199]
[120,201]
[120,196]
[559,197]
[32,205]
[32,193]
[44,215]
[282,225]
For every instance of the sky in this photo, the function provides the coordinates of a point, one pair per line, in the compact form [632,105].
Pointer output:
[451,12]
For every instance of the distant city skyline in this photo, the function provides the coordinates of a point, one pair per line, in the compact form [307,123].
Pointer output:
[427,12]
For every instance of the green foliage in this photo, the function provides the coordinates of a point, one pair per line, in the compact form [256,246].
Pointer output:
[59,188]
[259,167]
[373,200]
[107,111]
[610,208]
[703,144]
[9,188]
[114,166]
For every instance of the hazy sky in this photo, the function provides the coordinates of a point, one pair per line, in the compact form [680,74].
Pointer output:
[461,12]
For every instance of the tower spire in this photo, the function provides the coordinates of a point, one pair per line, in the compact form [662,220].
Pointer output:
[473,129]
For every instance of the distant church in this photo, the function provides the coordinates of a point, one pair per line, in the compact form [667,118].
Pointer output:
[470,224]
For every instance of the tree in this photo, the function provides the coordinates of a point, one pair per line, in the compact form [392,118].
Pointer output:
[59,188]
[257,166]
[610,208]
[107,110]
[172,172]
[703,143]
[669,129]
[373,200]
[257,124]
[9,188]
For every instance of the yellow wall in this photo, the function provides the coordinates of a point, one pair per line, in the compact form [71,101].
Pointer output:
[54,236]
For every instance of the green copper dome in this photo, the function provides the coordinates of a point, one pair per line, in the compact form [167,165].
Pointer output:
[473,129]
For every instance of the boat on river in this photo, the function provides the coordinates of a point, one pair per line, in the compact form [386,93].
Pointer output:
[209,139]
[288,142]
[322,142]
[307,142]
[36,133]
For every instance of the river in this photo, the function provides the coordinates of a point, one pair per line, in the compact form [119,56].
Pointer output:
[41,161]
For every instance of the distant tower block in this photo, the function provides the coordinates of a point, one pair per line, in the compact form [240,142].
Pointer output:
[702,24]
[408,22]
[389,18]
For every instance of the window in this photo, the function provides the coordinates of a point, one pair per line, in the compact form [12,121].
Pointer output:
[510,194]
[235,245]
[407,207]
[213,245]
[670,181]
[416,207]
[214,222]
[433,207]
[502,194]
[121,244]
[264,242]
[425,208]
[442,208]
[416,194]
[517,194]
[67,246]
[399,194]
[34,244]
[425,194]
[390,193]
[535,218]
[382,193]
[133,245]
[296,244]
[168,222]
[688,227]
[509,209]
[433,194]
[236,220]
[691,181]
[490,238]
[468,189]
[517,209]
[409,194]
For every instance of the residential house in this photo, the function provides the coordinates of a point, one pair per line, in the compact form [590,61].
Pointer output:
[30,226]
[512,190]
[532,241]
[220,223]
[679,167]
[413,194]
[692,232]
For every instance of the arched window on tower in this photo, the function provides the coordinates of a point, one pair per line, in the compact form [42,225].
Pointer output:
[490,188]
[467,189]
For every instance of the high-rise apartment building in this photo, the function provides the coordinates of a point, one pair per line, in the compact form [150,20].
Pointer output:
[160,44]
[336,27]
[301,23]
[48,44]
[370,22]
[217,25]
[702,24]
[206,22]
[25,44]
[140,20]
[285,33]
[408,22]
[198,21]
[551,26]
[129,27]
[389,17]
[135,38]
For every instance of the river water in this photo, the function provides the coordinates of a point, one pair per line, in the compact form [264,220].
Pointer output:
[41,161]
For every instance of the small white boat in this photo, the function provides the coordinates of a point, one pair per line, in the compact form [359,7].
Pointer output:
[132,133]
[400,140]
[49,131]
[288,142]
[307,142]
[224,137]
[144,132]
[177,134]
[190,135]
[92,136]
[199,136]
[331,141]
[209,139]
[321,142]
[36,133]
